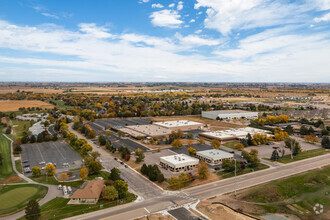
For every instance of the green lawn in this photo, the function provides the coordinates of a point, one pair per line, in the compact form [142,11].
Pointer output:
[18,165]
[6,170]
[59,209]
[223,174]
[103,174]
[295,195]
[302,155]
[15,197]
[52,181]
[230,144]
[19,127]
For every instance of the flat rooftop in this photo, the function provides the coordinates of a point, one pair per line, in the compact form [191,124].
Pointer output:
[229,111]
[239,132]
[179,159]
[215,154]
[180,123]
[149,130]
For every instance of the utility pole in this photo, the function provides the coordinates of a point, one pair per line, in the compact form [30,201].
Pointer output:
[235,177]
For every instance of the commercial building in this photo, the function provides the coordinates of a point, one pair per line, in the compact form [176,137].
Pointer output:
[214,156]
[177,163]
[232,134]
[149,130]
[229,114]
[183,125]
[88,195]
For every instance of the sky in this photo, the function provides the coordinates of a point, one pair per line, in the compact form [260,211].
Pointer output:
[165,40]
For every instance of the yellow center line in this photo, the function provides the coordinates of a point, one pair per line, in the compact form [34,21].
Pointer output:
[223,186]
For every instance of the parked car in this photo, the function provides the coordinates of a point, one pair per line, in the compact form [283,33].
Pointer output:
[121,162]
[25,161]
[26,165]
[126,166]
[69,190]
[216,168]
[115,158]
[59,187]
[42,162]
[100,160]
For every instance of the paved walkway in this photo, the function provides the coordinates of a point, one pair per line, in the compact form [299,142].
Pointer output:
[52,193]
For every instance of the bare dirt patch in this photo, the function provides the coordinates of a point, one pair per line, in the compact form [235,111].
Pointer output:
[157,216]
[14,105]
[13,179]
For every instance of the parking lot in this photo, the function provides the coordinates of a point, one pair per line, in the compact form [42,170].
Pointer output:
[184,149]
[126,142]
[59,153]
[121,123]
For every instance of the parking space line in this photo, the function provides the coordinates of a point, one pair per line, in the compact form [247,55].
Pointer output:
[43,159]
[59,151]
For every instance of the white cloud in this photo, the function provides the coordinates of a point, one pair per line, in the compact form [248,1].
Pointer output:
[157,5]
[226,16]
[192,20]
[194,40]
[171,5]
[96,31]
[321,4]
[50,15]
[166,18]
[143,1]
[180,6]
[325,17]
[198,31]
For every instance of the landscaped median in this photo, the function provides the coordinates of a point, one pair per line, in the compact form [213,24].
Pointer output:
[301,156]
[14,198]
[59,209]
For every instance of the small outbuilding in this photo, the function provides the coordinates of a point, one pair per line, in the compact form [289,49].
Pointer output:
[90,194]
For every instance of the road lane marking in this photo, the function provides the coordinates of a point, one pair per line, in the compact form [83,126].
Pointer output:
[146,210]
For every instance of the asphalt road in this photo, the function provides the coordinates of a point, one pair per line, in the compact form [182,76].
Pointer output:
[137,183]
[168,202]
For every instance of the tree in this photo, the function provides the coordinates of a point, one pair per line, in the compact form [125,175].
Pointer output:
[289,129]
[50,169]
[115,174]
[139,154]
[122,188]
[249,139]
[8,130]
[32,211]
[25,139]
[91,134]
[203,170]
[36,171]
[83,173]
[192,151]
[63,177]
[32,139]
[109,193]
[108,146]
[160,178]
[239,146]
[86,148]
[215,144]
[94,167]
[311,138]
[144,169]
[40,138]
[102,140]
[18,149]
[95,154]
[325,132]
[201,140]
[251,158]
[293,145]
[303,130]
[1,159]
[190,142]
[275,156]
[175,183]
[325,142]
[176,143]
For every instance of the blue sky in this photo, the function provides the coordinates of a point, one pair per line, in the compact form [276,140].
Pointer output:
[165,40]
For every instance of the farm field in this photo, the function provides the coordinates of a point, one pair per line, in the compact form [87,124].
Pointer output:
[14,105]
[15,197]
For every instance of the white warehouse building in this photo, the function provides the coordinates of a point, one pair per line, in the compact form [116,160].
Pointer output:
[214,156]
[229,114]
[177,163]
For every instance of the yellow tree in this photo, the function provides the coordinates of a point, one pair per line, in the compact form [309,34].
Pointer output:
[176,143]
[36,171]
[239,146]
[203,170]
[50,169]
[311,138]
[215,144]
[190,142]
[63,177]
[83,173]
[192,151]
[201,140]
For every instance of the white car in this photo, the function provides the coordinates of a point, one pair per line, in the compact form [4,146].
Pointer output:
[42,162]
[100,160]
[42,168]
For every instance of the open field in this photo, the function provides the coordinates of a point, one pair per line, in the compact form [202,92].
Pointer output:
[303,155]
[212,124]
[293,196]
[15,197]
[14,105]
[223,174]
[6,170]
[59,209]
[19,127]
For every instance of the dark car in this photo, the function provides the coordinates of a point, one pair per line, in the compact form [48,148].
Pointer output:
[115,158]
[121,162]
[26,165]
[216,168]
[25,161]
[232,152]
[126,166]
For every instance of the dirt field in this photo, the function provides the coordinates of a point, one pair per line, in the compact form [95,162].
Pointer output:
[213,125]
[13,89]
[157,216]
[14,105]
[214,211]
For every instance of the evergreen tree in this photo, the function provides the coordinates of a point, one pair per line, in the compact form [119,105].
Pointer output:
[32,211]
[275,156]
[325,142]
